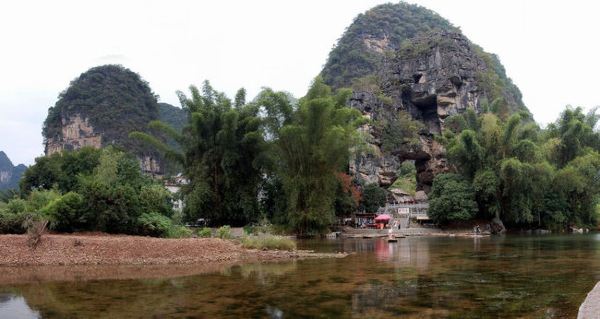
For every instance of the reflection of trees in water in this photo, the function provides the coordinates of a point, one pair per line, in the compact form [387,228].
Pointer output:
[420,277]
[411,296]
[379,297]
[264,273]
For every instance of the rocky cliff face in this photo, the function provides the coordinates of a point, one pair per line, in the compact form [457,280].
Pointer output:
[9,174]
[431,77]
[434,76]
[77,132]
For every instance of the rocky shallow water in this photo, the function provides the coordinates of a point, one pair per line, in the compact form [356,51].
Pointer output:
[496,277]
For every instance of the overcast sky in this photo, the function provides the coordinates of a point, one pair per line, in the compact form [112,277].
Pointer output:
[549,49]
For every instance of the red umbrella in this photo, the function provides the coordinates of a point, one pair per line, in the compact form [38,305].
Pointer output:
[382,218]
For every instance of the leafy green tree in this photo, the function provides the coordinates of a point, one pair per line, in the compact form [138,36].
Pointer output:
[104,190]
[373,197]
[240,98]
[64,213]
[451,199]
[400,132]
[575,132]
[467,151]
[512,166]
[578,188]
[221,155]
[60,170]
[310,151]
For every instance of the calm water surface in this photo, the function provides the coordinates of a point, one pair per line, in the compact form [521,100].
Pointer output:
[498,277]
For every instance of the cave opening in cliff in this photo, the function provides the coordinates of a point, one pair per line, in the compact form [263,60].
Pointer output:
[427,108]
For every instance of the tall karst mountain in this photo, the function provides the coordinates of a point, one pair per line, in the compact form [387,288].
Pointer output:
[9,174]
[404,59]
[101,107]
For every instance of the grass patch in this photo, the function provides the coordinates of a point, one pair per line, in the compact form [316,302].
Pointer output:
[204,232]
[179,232]
[407,184]
[266,241]
[224,232]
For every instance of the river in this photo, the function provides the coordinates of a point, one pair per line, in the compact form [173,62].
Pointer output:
[497,277]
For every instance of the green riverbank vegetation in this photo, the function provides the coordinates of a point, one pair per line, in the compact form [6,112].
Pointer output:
[285,161]
[514,170]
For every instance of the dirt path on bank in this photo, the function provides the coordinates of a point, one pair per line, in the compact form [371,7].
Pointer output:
[101,249]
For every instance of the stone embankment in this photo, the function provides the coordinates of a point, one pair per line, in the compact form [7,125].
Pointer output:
[590,308]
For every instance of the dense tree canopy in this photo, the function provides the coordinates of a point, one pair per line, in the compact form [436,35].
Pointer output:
[310,151]
[220,149]
[452,198]
[526,175]
[90,189]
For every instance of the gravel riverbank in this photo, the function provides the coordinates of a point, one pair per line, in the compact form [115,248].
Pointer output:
[102,249]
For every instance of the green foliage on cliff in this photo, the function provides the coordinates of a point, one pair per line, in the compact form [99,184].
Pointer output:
[115,101]
[503,95]
[375,35]
[174,116]
[399,132]
[406,180]
[385,26]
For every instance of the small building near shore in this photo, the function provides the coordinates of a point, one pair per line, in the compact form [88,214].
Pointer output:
[174,186]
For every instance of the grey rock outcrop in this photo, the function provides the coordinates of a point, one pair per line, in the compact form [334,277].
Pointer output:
[436,75]
[431,77]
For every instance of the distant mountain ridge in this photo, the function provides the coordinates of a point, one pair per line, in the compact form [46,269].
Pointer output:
[9,174]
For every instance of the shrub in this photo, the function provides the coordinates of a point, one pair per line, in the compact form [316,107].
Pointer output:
[224,232]
[205,232]
[179,232]
[154,224]
[13,216]
[38,199]
[12,223]
[266,241]
[16,206]
[64,212]
[156,198]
